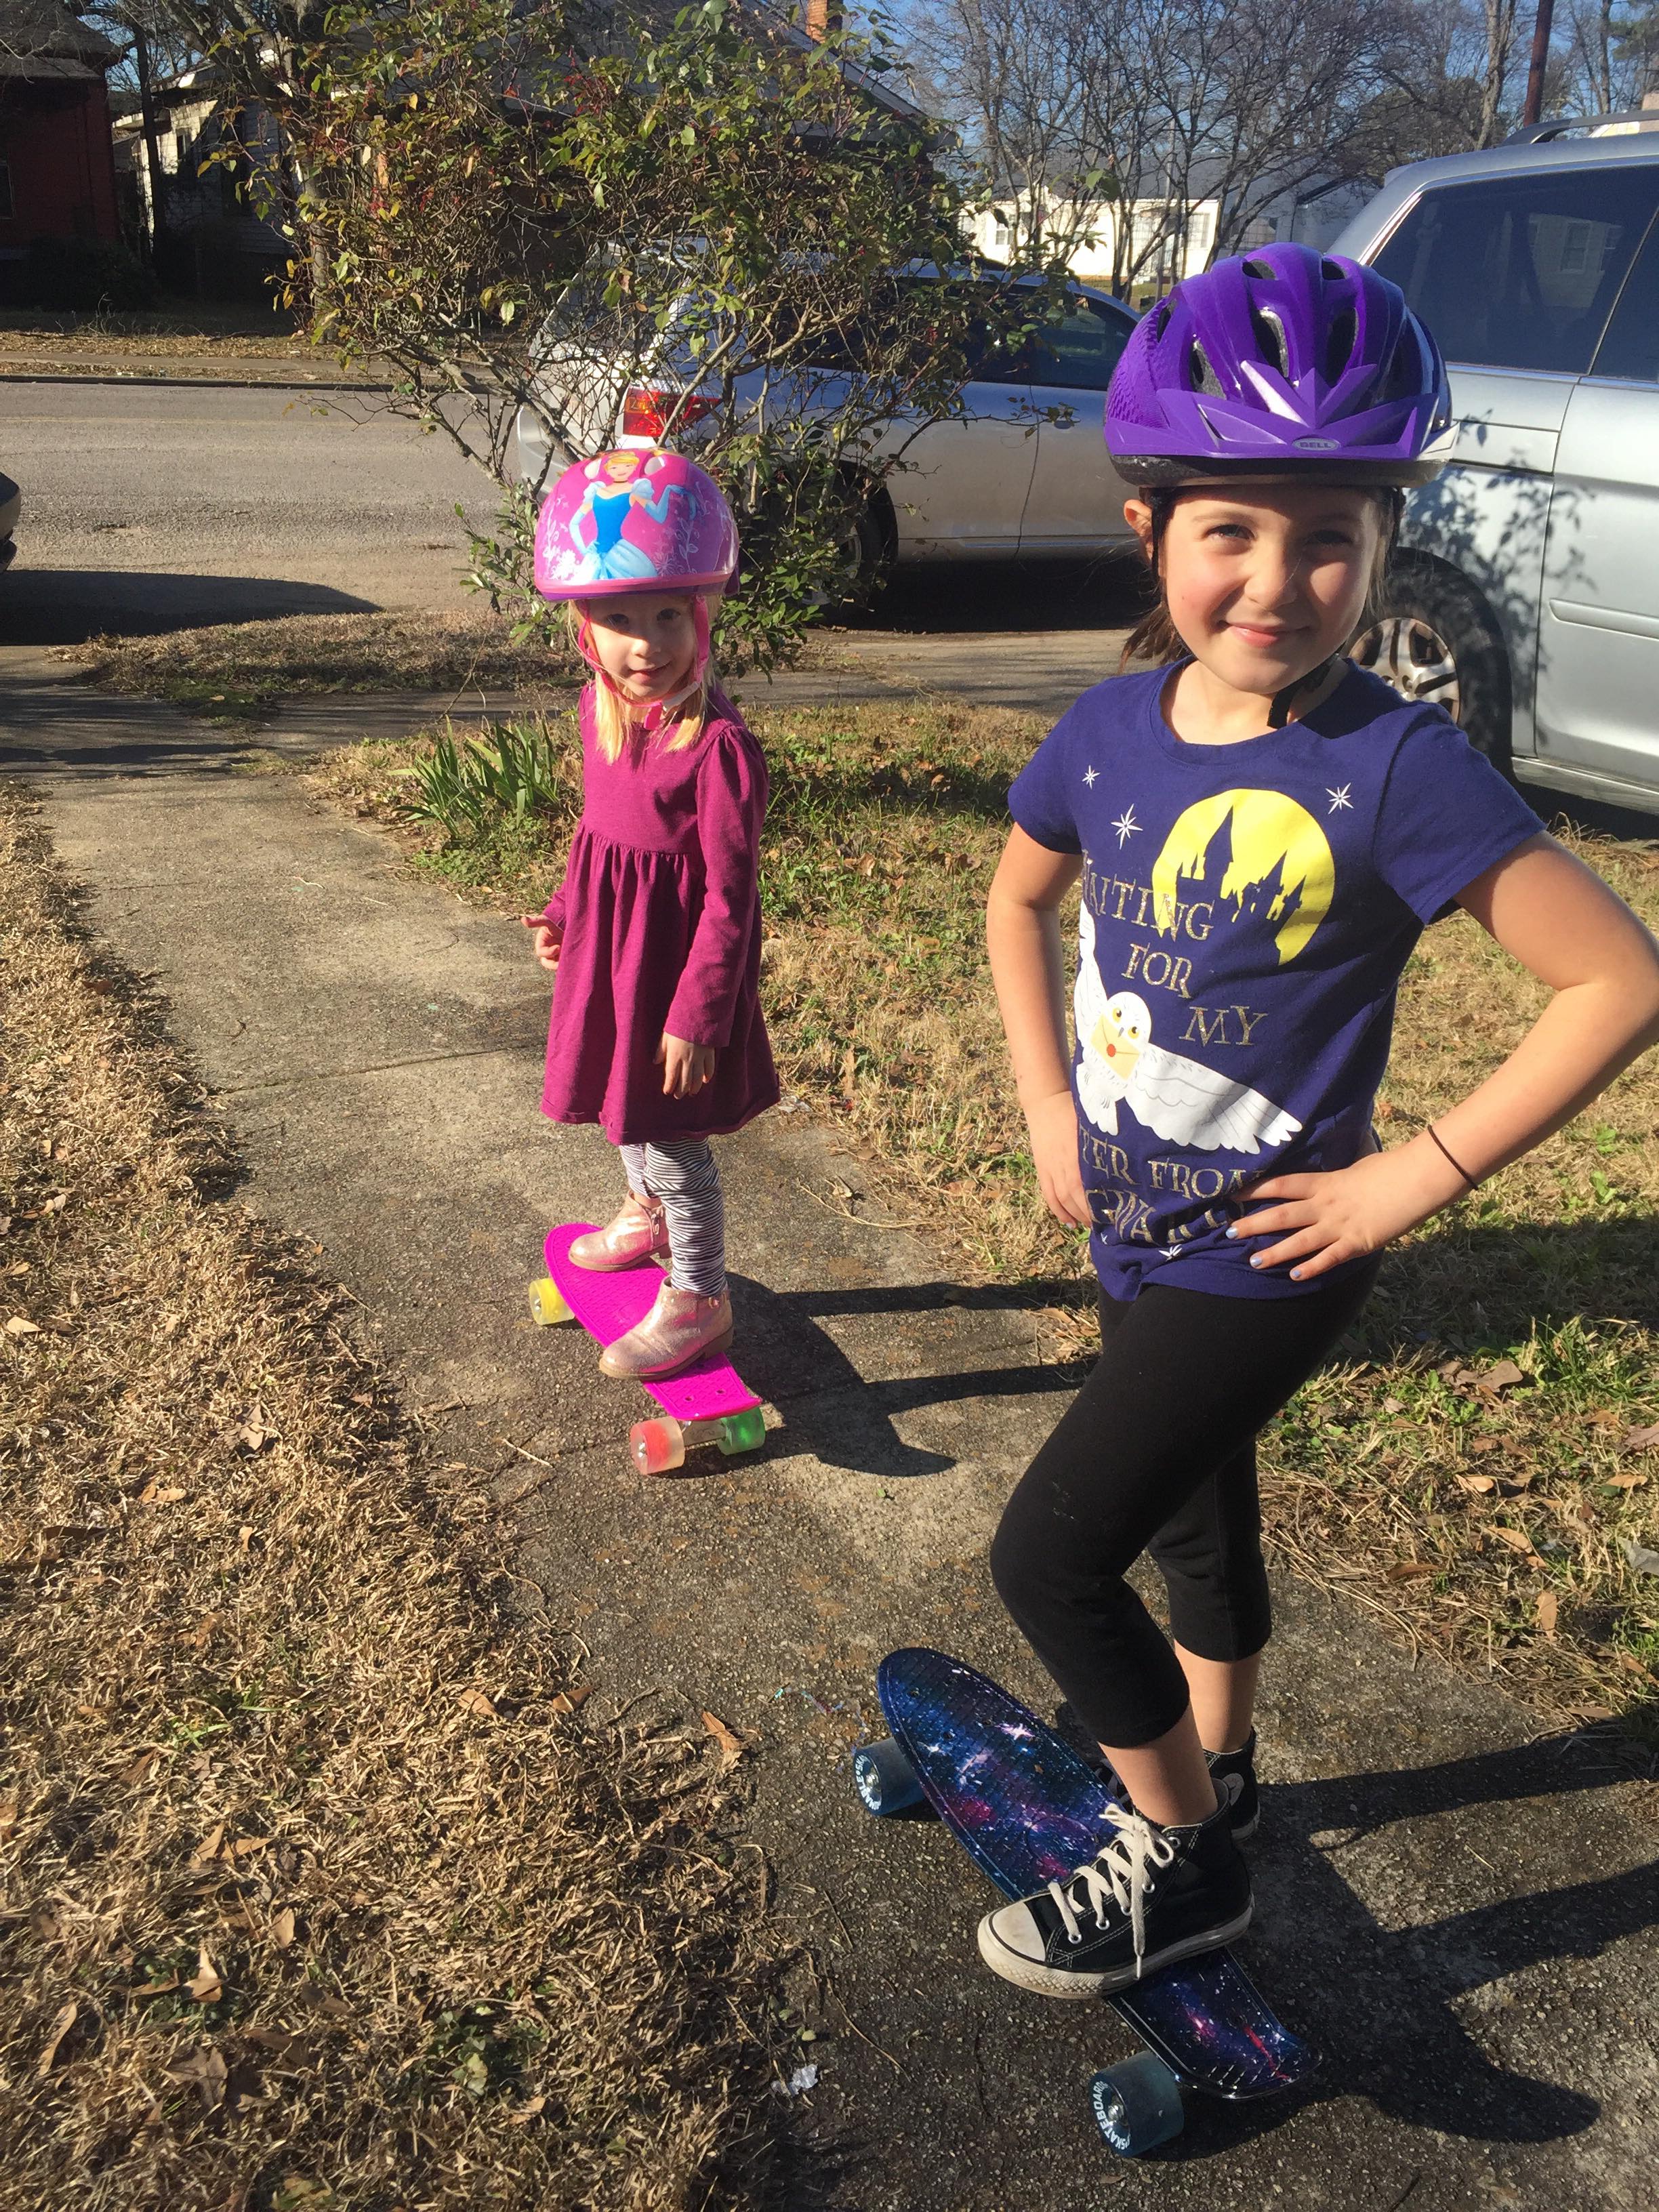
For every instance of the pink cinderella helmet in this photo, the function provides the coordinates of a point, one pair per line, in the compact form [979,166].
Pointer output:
[635,520]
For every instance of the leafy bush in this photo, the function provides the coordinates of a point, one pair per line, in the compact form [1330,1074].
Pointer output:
[71,274]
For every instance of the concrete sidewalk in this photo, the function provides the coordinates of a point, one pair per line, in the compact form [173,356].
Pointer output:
[1455,1905]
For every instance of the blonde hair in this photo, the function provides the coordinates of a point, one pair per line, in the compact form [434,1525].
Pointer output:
[615,728]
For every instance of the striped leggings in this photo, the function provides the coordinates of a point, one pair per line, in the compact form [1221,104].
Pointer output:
[684,1175]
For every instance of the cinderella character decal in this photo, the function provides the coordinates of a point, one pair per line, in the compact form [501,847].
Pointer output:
[618,484]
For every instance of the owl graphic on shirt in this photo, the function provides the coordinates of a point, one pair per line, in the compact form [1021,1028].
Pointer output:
[1178,1099]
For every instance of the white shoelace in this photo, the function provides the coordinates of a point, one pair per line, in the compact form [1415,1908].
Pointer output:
[1123,1871]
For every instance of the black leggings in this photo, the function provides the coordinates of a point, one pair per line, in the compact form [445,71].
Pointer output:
[1157,1452]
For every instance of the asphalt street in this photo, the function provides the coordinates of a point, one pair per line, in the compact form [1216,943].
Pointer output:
[149,508]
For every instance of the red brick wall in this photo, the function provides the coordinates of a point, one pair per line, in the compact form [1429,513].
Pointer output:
[55,139]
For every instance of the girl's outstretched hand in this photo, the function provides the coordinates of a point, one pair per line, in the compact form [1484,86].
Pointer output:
[1053,1125]
[685,1067]
[547,940]
[1321,1220]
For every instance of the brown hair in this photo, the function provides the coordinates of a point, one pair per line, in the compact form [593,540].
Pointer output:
[1155,638]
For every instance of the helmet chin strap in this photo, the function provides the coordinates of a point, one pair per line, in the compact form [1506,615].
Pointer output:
[1279,713]
[661,712]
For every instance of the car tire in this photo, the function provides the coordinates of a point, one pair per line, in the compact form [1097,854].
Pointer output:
[867,549]
[1434,641]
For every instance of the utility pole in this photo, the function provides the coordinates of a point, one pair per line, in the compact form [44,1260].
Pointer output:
[1540,54]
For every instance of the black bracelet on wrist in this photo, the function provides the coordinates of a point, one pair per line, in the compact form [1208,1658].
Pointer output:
[1473,1182]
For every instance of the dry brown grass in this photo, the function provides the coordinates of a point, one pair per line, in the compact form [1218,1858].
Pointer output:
[235,671]
[316,1888]
[1491,1520]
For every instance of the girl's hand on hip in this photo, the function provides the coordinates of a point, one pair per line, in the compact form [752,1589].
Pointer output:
[1321,1220]
[547,941]
[1053,1124]
[685,1067]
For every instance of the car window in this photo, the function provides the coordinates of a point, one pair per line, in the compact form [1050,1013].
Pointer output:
[1521,272]
[1079,351]
[1631,347]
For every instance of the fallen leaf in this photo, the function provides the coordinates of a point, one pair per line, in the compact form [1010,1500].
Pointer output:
[1642,1439]
[204,1631]
[204,2071]
[44,1921]
[731,1745]
[1642,1561]
[1483,1443]
[1477,1483]
[475,1701]
[1630,1480]
[1605,1417]
[525,2112]
[566,1701]
[208,1850]
[1511,1536]
[1548,1612]
[160,1493]
[277,2039]
[7,1817]
[1406,1570]
[62,2023]
[1629,1659]
[282,1928]
[244,1844]
[140,1769]
[20,1325]
[1393,1405]
[1503,1376]
[205,1987]
[157,1988]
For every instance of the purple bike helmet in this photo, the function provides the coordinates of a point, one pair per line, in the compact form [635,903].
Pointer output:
[1281,362]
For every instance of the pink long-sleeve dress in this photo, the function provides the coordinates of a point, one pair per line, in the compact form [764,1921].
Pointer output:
[661,912]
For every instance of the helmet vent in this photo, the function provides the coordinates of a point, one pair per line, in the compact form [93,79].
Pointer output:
[1160,319]
[1339,345]
[1260,269]
[1270,340]
[1332,271]
[1200,377]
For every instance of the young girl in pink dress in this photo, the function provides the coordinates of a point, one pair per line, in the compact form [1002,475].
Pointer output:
[654,933]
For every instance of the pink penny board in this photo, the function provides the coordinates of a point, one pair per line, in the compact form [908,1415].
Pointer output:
[607,1306]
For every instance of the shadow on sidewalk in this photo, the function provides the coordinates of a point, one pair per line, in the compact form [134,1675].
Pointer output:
[1380,2004]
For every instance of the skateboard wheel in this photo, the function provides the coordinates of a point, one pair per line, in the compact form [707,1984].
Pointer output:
[743,1431]
[885,1778]
[547,1304]
[1137,2104]
[657,1447]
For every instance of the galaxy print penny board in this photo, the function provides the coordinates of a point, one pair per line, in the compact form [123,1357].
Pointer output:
[1028,1810]
[709,1404]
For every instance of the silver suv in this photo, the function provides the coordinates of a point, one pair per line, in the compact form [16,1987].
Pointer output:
[1526,594]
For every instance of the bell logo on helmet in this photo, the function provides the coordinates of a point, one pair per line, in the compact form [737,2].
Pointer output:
[1318,445]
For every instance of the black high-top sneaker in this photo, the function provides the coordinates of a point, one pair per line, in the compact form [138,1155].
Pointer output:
[1233,1773]
[1153,1895]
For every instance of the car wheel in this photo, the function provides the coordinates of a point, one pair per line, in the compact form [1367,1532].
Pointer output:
[866,553]
[1435,641]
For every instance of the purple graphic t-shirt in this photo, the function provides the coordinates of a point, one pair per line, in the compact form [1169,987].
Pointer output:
[1247,911]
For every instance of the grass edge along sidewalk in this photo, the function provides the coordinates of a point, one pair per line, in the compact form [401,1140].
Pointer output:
[316,1888]
[1479,1469]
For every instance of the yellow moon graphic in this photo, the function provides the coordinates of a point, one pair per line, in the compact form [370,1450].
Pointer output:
[1271,836]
